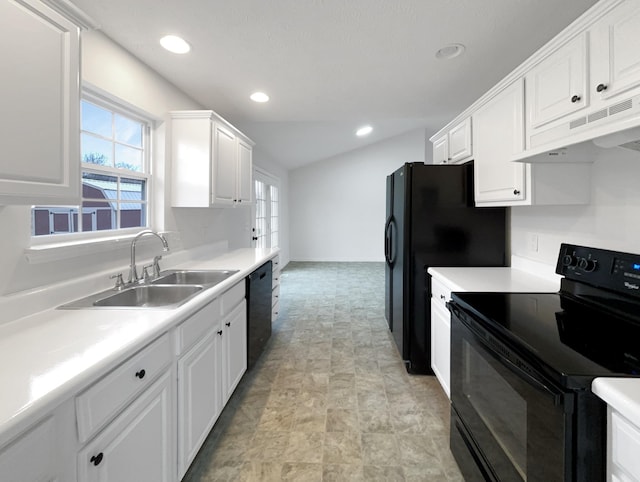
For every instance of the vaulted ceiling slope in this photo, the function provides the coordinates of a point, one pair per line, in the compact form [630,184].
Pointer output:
[330,66]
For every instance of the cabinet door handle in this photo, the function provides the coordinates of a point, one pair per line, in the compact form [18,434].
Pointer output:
[96,459]
[516,192]
[228,323]
[575,98]
[220,332]
[601,87]
[442,297]
[141,374]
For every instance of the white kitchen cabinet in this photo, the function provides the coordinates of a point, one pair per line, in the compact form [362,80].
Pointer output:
[441,334]
[39,130]
[212,350]
[31,457]
[200,397]
[558,86]
[454,145]
[275,288]
[211,161]
[623,447]
[498,136]
[234,348]
[138,446]
[615,54]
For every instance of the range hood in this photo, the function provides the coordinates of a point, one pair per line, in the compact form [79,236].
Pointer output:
[582,139]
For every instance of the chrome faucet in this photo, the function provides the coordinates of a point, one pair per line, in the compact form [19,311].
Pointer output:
[133,273]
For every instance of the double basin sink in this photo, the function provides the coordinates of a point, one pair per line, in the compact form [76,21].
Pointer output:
[169,290]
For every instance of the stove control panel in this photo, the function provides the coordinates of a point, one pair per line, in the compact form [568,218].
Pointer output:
[612,270]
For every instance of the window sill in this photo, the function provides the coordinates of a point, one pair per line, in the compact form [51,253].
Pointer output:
[44,253]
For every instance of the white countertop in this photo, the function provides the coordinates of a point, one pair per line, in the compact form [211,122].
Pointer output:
[49,356]
[622,394]
[508,280]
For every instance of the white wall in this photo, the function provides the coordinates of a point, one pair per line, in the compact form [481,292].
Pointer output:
[610,221]
[337,206]
[111,69]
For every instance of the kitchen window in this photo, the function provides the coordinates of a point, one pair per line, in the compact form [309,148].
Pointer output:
[266,217]
[115,175]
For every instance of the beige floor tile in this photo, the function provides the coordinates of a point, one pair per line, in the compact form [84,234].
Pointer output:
[305,447]
[342,448]
[342,420]
[380,449]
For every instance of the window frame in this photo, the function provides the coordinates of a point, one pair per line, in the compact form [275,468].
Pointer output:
[118,106]
[268,180]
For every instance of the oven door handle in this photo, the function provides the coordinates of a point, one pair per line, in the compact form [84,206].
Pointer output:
[487,339]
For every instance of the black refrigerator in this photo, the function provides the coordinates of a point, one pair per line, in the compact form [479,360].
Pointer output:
[432,221]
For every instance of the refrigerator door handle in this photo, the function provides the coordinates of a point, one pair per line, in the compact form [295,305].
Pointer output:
[388,242]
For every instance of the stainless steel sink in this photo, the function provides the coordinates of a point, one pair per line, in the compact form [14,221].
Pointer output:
[193,277]
[170,290]
[139,296]
[150,296]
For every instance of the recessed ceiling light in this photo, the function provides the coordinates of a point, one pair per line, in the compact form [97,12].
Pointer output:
[175,44]
[364,131]
[259,97]
[450,51]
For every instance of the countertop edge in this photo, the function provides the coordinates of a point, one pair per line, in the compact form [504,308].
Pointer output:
[621,394]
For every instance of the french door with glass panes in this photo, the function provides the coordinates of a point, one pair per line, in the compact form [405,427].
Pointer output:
[266,223]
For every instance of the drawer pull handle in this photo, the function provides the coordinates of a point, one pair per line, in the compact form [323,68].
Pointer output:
[575,98]
[228,323]
[220,332]
[442,297]
[96,459]
[141,374]
[601,87]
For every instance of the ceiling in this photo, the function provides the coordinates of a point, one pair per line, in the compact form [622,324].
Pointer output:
[331,66]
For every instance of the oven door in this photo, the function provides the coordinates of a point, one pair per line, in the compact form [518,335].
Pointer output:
[507,420]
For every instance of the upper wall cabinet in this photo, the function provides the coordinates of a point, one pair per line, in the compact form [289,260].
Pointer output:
[615,53]
[39,128]
[211,161]
[454,145]
[558,85]
[498,136]
[589,87]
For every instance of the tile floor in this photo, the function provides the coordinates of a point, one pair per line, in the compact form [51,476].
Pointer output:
[330,399]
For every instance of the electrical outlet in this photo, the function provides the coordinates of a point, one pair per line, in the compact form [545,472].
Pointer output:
[532,242]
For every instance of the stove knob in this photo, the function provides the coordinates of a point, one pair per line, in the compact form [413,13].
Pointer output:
[569,260]
[587,265]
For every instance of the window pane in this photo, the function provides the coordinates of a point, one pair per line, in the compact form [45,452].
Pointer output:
[133,189]
[128,158]
[96,150]
[132,215]
[99,186]
[96,119]
[128,131]
[98,216]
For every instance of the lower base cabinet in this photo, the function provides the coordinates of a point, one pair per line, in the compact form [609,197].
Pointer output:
[30,458]
[200,396]
[137,446]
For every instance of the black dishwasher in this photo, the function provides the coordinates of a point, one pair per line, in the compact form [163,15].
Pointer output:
[258,312]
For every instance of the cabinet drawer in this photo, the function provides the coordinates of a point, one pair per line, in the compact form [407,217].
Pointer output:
[231,298]
[275,311]
[195,327]
[625,444]
[107,397]
[440,293]
[275,295]
[276,278]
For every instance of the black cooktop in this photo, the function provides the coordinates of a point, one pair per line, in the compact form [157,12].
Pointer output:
[571,339]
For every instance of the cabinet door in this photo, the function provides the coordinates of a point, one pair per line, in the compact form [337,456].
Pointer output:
[31,458]
[557,86]
[441,345]
[498,134]
[615,52]
[39,126]
[199,396]
[460,141]
[224,166]
[137,446]
[234,360]
[245,173]
[441,150]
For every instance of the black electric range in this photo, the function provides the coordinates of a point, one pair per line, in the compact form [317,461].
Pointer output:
[522,365]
